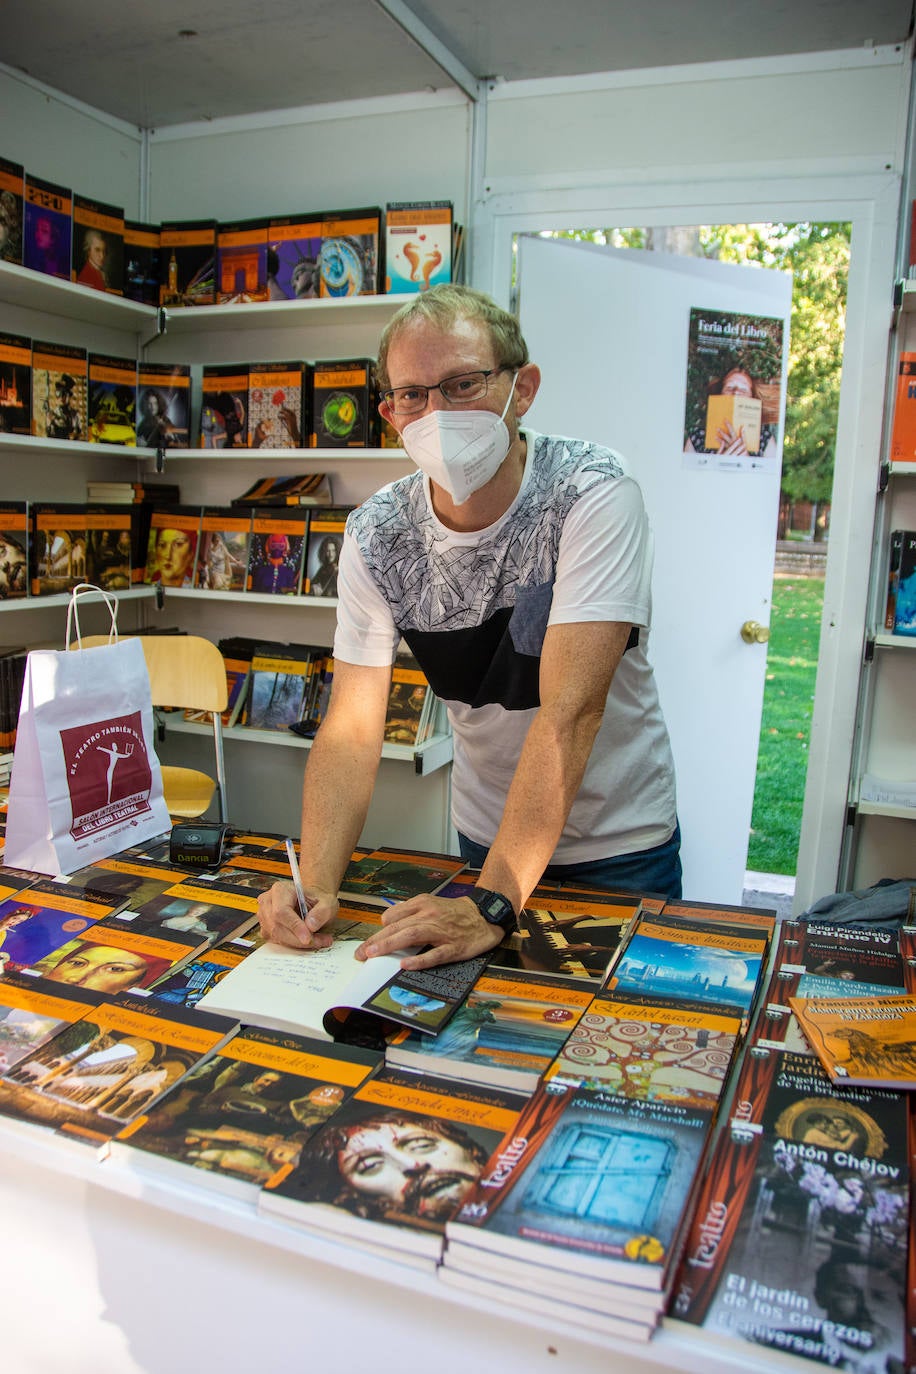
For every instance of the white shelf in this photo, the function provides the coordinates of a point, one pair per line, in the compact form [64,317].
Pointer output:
[22,286]
[41,603]
[883,640]
[870,808]
[71,448]
[901,469]
[281,455]
[325,312]
[249,598]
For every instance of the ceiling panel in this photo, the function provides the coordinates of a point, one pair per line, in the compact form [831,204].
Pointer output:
[131,58]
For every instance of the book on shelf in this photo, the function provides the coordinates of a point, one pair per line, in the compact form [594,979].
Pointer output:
[279,682]
[348,260]
[98,245]
[33,1011]
[317,696]
[508,1031]
[418,245]
[293,250]
[592,1183]
[246,1112]
[47,227]
[342,403]
[187,262]
[691,960]
[14,549]
[141,262]
[15,381]
[116,960]
[384,876]
[905,586]
[44,915]
[862,1041]
[798,1243]
[60,381]
[277,551]
[893,578]
[12,676]
[276,396]
[241,262]
[131,493]
[171,549]
[222,557]
[304,489]
[903,424]
[203,918]
[163,406]
[116,1061]
[314,991]
[650,1048]
[237,652]
[108,546]
[58,546]
[568,935]
[12,191]
[409,714]
[760,917]
[224,406]
[322,559]
[121,878]
[435,1135]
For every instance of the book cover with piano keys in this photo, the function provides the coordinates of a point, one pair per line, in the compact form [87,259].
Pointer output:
[569,937]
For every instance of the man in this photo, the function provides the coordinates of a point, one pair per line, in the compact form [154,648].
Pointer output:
[517,568]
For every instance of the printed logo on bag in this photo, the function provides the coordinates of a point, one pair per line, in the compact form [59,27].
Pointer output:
[108,773]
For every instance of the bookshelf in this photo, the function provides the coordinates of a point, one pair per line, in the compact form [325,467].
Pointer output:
[265,784]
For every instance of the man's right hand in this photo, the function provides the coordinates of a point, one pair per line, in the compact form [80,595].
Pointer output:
[278,914]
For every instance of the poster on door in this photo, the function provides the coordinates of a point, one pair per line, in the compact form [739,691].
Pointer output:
[733,403]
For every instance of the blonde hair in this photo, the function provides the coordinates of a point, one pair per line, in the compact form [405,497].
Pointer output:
[441,306]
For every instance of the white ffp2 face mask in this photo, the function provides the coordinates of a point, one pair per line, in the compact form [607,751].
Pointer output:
[459,450]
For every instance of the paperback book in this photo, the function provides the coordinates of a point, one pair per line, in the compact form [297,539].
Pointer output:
[141,262]
[410,703]
[279,680]
[47,227]
[418,245]
[245,1113]
[569,936]
[60,380]
[411,1120]
[863,1041]
[116,960]
[222,559]
[112,400]
[12,189]
[277,552]
[171,548]
[385,876]
[44,915]
[185,987]
[322,559]
[277,392]
[224,406]
[187,263]
[33,1011]
[14,549]
[203,918]
[108,547]
[303,489]
[342,403]
[348,258]
[98,245]
[163,405]
[903,426]
[241,257]
[294,247]
[58,540]
[15,380]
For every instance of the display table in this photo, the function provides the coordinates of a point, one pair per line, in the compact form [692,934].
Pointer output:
[103,1272]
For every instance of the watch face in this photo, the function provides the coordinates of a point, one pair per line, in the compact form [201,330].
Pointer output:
[495,908]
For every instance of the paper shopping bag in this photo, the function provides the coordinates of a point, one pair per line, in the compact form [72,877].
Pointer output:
[86,782]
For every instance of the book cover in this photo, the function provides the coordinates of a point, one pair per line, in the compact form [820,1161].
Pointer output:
[300,489]
[172,546]
[294,247]
[47,227]
[246,1112]
[112,400]
[98,245]
[33,1011]
[58,539]
[276,395]
[113,1063]
[818,959]
[187,263]
[222,560]
[44,915]
[418,245]
[12,190]
[108,547]
[14,549]
[799,1238]
[241,257]
[862,1041]
[224,406]
[322,559]
[279,676]
[763,918]
[905,600]
[569,936]
[692,960]
[185,987]
[348,259]
[508,1031]
[395,1161]
[277,551]
[116,960]
[385,876]
[60,383]
[601,1181]
[200,918]
[409,701]
[237,652]
[650,1049]
[342,404]
[123,878]
[903,425]
[163,405]
[741,413]
[141,262]
[15,381]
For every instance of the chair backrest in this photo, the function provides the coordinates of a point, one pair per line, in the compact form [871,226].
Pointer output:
[184,670]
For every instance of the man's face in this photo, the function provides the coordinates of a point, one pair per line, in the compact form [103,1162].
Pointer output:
[100,967]
[423,355]
[412,1167]
[97,252]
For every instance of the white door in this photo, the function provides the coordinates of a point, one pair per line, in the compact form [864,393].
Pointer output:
[609,329]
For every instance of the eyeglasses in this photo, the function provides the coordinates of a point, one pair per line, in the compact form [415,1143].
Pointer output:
[467,386]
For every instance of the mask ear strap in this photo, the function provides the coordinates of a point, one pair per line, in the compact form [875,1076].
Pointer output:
[511,394]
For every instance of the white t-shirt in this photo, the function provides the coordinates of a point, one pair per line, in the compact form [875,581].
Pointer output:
[473,607]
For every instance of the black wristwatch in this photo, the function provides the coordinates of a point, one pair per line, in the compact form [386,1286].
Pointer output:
[494,907]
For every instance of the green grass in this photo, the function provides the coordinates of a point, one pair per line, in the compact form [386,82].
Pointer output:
[785,728]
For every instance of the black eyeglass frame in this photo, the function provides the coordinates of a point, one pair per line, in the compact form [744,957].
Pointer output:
[388,396]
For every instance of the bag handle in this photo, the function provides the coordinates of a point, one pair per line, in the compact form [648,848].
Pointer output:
[73,615]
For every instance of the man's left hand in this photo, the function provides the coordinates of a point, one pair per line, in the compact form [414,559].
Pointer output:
[446,929]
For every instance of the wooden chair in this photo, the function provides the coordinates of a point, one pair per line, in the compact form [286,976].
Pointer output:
[188,672]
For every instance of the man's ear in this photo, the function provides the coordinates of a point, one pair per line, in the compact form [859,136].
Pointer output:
[384,409]
[527,384]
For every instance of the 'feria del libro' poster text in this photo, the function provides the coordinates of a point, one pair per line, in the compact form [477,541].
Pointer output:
[733,403]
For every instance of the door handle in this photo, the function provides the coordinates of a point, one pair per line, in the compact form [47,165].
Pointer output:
[754,633]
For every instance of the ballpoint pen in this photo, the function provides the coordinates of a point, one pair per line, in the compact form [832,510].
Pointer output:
[297,880]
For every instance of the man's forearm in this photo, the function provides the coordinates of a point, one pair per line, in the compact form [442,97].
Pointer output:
[339,778]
